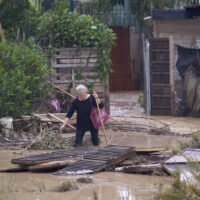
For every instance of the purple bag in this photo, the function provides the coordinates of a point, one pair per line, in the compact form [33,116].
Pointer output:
[94,116]
[56,104]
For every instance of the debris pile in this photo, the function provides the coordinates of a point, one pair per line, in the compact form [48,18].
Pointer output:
[51,139]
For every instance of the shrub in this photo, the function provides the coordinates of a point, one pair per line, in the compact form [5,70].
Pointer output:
[63,29]
[18,19]
[22,69]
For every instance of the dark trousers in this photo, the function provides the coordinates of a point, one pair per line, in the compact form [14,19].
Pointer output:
[80,134]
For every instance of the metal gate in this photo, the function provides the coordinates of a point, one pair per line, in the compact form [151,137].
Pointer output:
[160,76]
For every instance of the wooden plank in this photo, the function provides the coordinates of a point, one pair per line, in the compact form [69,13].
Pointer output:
[51,165]
[54,156]
[82,167]
[14,169]
[64,60]
[74,65]
[150,150]
[144,169]
[69,56]
[72,54]
[77,82]
[68,75]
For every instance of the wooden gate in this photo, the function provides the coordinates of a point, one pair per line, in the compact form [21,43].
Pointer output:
[120,79]
[160,76]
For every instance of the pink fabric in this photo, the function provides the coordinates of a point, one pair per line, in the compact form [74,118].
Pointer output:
[55,103]
[94,116]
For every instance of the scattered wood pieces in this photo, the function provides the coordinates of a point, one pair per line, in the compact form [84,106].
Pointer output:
[54,165]
[151,169]
[15,169]
[99,160]
[150,150]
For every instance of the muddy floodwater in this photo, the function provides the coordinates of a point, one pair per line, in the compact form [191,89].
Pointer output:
[105,185]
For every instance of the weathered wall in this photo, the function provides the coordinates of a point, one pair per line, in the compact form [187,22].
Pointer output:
[181,32]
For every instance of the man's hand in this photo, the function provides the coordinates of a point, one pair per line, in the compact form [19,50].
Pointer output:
[64,124]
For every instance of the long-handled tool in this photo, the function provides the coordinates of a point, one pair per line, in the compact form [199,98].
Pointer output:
[111,117]
[50,114]
[101,120]
[61,89]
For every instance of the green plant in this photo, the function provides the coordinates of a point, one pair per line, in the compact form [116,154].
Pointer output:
[140,98]
[62,28]
[179,190]
[64,187]
[18,19]
[194,143]
[22,69]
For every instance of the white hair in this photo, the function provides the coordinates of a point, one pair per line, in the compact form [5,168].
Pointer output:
[81,88]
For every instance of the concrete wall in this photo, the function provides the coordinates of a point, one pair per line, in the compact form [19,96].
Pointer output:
[180,32]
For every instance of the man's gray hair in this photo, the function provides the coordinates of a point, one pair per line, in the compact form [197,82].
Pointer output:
[81,88]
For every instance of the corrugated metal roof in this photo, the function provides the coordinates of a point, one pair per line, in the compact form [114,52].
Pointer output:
[169,14]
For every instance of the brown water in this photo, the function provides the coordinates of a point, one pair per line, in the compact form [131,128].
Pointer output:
[106,185]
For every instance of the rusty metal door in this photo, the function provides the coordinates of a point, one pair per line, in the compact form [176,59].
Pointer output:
[160,76]
[120,79]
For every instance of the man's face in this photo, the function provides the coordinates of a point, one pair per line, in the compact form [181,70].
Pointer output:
[82,96]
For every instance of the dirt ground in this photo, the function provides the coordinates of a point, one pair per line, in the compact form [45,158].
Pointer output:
[133,128]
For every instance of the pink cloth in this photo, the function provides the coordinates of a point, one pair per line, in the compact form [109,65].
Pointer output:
[55,103]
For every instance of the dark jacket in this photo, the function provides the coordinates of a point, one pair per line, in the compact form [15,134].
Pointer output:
[83,109]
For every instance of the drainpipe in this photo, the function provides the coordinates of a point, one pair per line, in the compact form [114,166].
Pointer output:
[146,58]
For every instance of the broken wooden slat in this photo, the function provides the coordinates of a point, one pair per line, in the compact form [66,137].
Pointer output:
[14,169]
[82,167]
[48,157]
[51,165]
[150,150]
[154,169]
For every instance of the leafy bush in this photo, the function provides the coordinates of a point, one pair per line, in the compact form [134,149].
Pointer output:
[18,18]
[21,68]
[64,27]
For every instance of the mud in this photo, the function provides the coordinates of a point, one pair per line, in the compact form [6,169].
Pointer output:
[105,185]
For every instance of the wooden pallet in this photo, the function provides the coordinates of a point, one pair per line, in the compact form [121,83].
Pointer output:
[99,160]
[53,156]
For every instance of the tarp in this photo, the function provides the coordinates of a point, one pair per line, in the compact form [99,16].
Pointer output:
[187,57]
